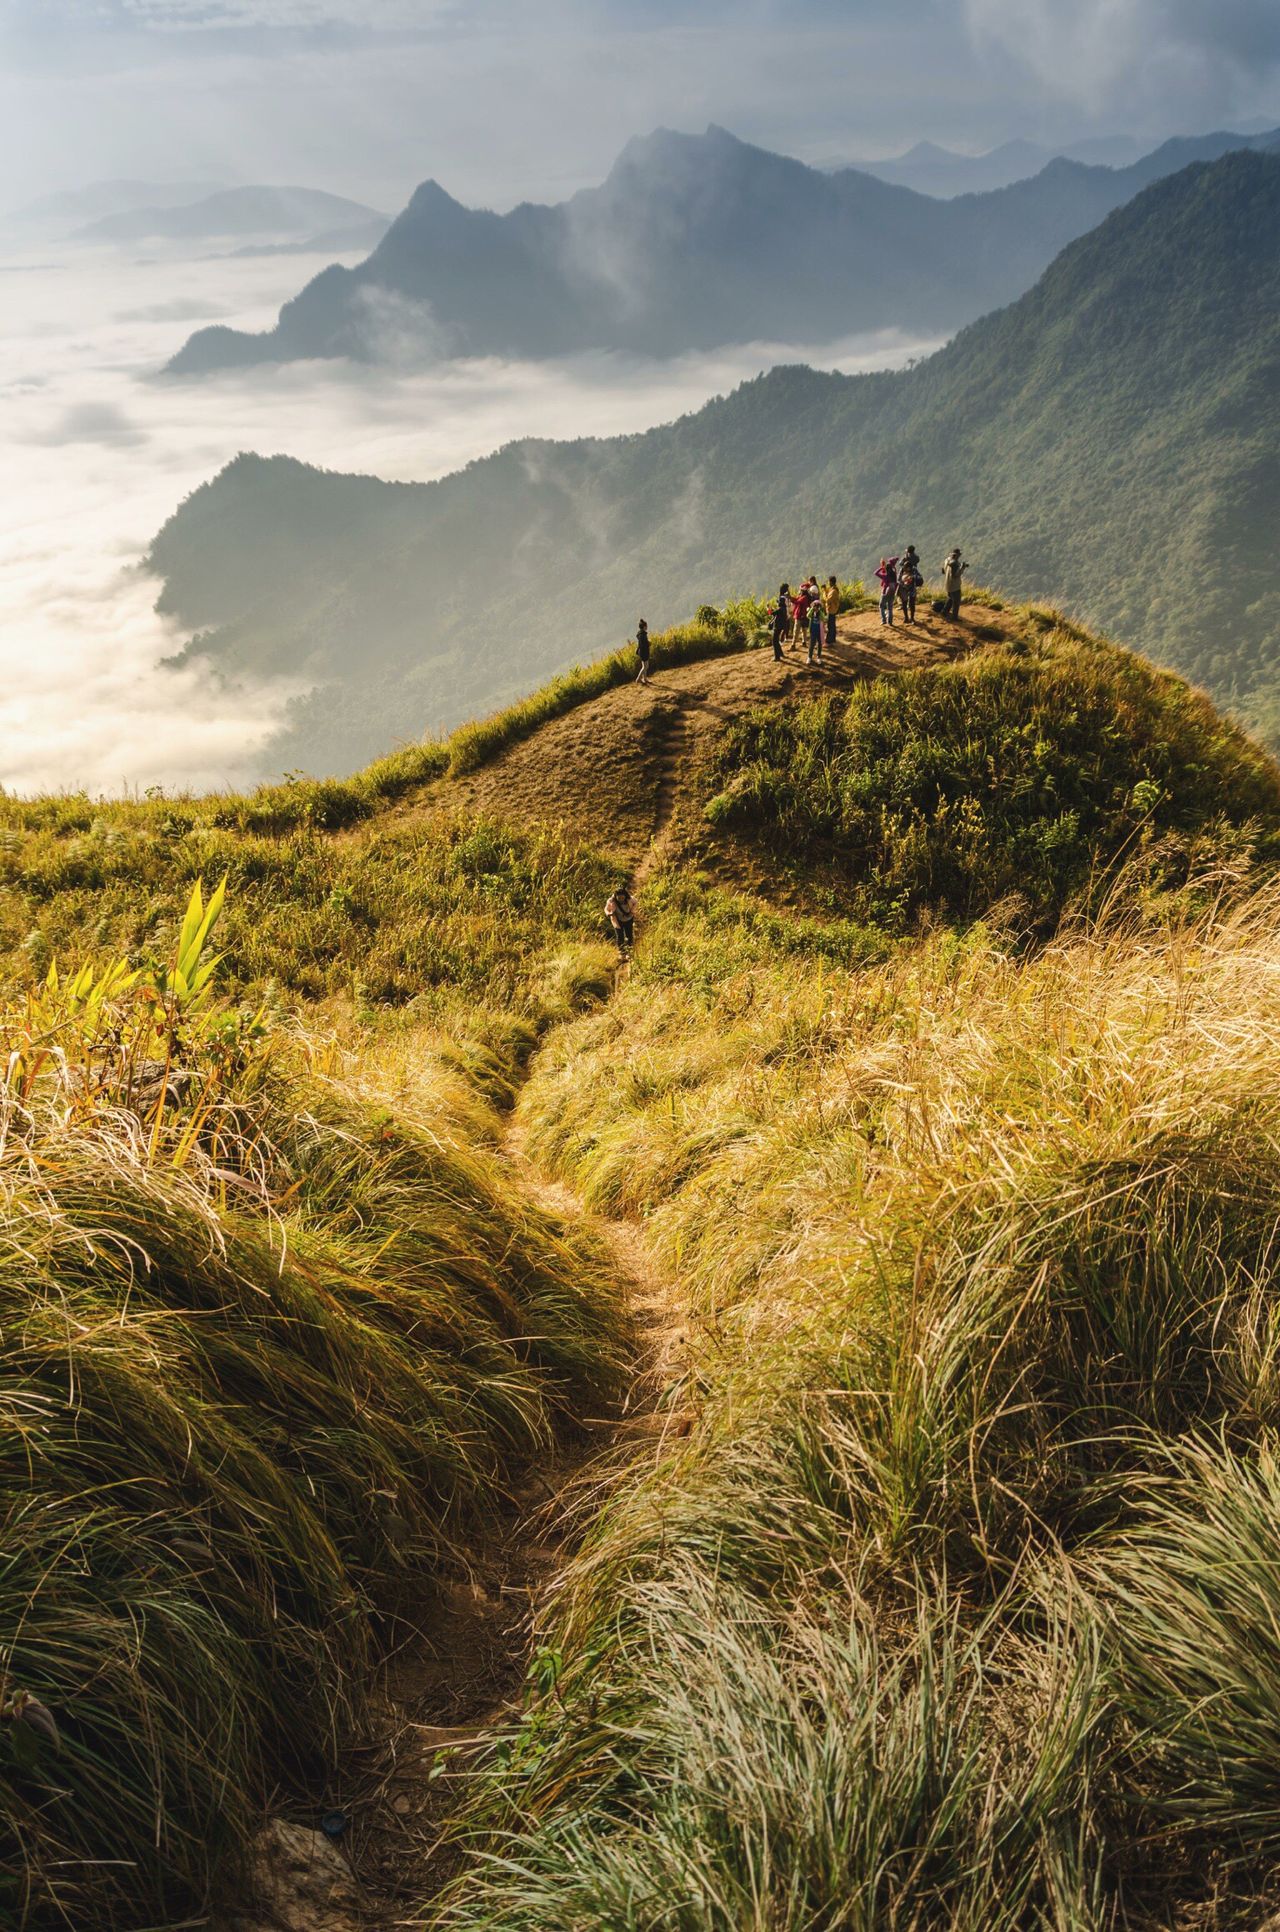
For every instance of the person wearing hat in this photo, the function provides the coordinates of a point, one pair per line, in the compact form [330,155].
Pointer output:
[952,578]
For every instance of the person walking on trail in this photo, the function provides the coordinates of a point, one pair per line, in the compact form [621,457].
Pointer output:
[779,621]
[887,575]
[642,652]
[831,606]
[816,622]
[620,910]
[909,582]
[952,582]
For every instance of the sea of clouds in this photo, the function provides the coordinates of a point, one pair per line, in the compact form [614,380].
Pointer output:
[99,451]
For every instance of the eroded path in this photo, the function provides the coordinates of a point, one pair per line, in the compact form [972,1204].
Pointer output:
[447,1687]
[620,769]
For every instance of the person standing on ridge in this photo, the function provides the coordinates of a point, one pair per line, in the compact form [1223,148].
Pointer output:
[642,652]
[816,621]
[780,620]
[831,605]
[887,575]
[800,613]
[909,582]
[620,910]
[952,581]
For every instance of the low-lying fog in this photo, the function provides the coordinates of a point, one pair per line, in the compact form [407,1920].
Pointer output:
[97,453]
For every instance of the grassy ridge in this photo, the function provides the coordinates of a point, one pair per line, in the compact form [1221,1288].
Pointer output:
[270,1352]
[445,919]
[1014,774]
[938,1613]
[918,1626]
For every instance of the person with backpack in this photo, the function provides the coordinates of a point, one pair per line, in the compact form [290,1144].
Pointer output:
[780,620]
[952,581]
[816,622]
[620,910]
[642,652]
[887,575]
[909,582]
[831,605]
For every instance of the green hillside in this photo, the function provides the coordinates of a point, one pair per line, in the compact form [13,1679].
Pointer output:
[781,1431]
[1109,441]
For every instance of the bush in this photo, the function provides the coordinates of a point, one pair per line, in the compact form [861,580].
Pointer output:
[958,786]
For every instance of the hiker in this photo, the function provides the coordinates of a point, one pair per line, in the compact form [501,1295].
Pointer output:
[887,575]
[799,613]
[816,621]
[620,909]
[831,605]
[779,620]
[642,652]
[909,582]
[952,579]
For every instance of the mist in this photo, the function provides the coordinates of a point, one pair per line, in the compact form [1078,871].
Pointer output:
[100,451]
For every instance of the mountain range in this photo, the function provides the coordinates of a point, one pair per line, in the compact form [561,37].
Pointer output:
[1110,440]
[934,170]
[247,213]
[69,208]
[691,242]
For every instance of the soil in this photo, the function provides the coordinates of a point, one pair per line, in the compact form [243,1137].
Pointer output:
[623,769]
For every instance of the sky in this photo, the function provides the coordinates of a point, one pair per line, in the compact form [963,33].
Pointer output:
[503,99]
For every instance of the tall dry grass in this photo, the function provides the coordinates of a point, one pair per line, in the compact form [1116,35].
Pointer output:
[958,1605]
[272,1351]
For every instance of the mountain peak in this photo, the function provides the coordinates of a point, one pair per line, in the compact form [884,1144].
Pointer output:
[429,198]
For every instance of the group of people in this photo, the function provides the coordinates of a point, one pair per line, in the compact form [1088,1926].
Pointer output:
[900,578]
[808,614]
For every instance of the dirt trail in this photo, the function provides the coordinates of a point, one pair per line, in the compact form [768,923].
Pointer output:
[621,768]
[450,1684]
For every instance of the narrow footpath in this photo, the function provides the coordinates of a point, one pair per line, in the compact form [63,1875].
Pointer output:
[447,1689]
[632,754]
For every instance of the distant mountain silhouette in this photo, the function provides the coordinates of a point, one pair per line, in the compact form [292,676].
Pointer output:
[239,212]
[691,242]
[70,207]
[1110,441]
[932,170]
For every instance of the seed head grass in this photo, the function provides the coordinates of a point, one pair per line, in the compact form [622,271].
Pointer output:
[955,1607]
[272,1349]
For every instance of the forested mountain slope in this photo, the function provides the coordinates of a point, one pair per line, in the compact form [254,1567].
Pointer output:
[690,242]
[1110,440]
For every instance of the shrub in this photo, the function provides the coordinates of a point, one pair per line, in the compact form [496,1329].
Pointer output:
[957,786]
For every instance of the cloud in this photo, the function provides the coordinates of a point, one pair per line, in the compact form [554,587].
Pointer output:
[94,422]
[177,308]
[397,331]
[96,457]
[1181,55]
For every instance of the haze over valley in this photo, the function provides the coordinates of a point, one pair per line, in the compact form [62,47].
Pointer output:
[98,453]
